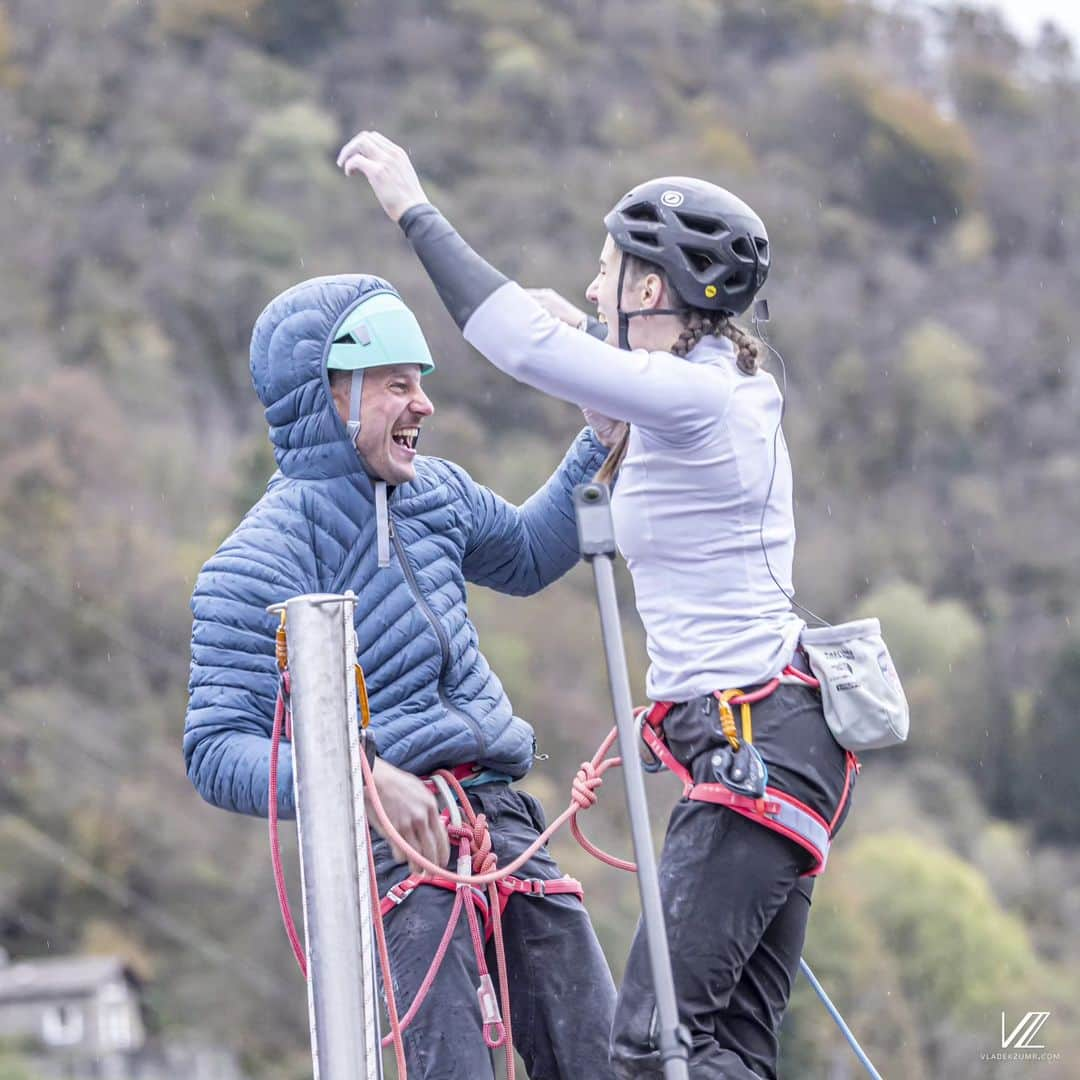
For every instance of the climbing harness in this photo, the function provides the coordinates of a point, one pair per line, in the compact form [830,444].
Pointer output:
[505,887]
[742,776]
[482,889]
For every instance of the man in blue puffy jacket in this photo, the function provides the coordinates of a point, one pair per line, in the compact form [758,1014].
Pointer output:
[337,362]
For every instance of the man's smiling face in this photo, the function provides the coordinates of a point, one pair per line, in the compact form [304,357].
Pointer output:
[393,406]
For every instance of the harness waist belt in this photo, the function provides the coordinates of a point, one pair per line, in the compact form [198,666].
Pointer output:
[507,886]
[776,809]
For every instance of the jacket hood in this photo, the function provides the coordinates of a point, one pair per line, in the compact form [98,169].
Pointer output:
[289,347]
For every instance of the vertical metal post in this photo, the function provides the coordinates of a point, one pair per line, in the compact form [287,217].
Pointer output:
[596,539]
[333,834]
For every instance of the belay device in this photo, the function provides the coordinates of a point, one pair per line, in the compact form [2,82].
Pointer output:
[742,769]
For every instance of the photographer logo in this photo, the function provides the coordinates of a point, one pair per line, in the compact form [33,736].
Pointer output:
[1019,1042]
[1021,1036]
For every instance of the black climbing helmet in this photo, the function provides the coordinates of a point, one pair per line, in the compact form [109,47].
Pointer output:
[713,248]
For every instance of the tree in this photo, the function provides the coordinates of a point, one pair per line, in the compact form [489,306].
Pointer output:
[937,646]
[960,957]
[1051,750]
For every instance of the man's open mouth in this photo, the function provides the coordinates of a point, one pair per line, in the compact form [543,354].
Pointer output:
[407,437]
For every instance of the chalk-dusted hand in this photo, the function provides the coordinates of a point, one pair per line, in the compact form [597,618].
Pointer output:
[414,812]
[387,168]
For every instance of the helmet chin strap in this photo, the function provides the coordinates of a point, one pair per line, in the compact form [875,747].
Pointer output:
[626,316]
[355,389]
[382,514]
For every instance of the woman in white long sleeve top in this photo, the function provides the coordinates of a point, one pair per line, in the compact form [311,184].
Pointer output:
[703,516]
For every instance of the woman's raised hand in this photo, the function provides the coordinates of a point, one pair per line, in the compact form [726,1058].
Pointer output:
[388,170]
[556,304]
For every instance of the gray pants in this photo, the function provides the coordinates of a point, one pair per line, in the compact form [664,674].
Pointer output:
[561,992]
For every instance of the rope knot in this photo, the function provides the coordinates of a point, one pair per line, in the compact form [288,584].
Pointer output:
[459,833]
[587,780]
[484,860]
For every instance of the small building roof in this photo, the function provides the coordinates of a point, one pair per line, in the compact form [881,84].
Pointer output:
[64,976]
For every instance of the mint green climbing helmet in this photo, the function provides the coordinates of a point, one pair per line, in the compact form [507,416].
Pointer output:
[378,331]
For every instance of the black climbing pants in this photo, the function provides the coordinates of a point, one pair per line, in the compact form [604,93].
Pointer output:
[561,992]
[734,899]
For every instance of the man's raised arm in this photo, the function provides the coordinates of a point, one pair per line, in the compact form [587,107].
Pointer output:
[522,549]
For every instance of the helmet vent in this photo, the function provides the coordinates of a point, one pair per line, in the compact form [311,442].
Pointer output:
[358,335]
[700,261]
[641,212]
[762,248]
[737,282]
[743,249]
[648,239]
[704,225]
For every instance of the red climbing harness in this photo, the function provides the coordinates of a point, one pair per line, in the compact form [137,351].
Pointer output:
[775,809]
[506,887]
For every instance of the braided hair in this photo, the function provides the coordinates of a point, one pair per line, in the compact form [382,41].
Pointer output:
[701,324]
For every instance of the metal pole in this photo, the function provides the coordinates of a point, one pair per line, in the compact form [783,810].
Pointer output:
[333,835]
[596,537]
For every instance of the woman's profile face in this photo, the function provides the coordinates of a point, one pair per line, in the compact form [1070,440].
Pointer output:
[602,288]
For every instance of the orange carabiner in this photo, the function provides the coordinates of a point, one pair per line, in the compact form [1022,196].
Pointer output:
[281,645]
[727,718]
[361,693]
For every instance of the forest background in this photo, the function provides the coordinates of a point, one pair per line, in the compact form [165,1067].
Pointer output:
[167,167]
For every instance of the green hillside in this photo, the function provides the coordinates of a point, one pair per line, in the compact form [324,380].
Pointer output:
[167,166]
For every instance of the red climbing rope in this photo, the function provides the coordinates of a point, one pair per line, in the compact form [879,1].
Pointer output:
[396,1027]
[280,711]
[588,778]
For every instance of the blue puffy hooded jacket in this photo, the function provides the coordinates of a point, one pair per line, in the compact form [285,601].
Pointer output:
[435,702]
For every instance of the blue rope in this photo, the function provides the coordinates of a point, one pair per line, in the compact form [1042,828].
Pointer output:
[835,1014]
